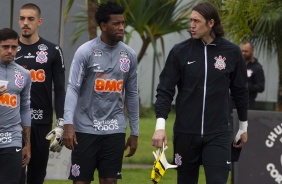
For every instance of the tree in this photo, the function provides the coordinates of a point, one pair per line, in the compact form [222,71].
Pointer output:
[259,21]
[80,19]
[155,19]
[151,19]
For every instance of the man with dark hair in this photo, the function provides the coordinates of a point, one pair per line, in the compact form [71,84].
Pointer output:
[15,122]
[255,73]
[206,69]
[102,78]
[45,62]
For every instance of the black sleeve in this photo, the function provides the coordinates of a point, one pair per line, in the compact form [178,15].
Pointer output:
[59,83]
[258,81]
[168,79]
[239,87]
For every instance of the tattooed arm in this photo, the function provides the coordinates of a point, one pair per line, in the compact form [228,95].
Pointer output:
[26,120]
[26,152]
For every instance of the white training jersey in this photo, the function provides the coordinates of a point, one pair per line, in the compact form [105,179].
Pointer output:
[102,78]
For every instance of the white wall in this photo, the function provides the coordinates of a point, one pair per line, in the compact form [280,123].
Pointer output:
[269,61]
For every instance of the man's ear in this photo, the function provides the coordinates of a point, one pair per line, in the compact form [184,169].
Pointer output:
[40,21]
[103,26]
[211,23]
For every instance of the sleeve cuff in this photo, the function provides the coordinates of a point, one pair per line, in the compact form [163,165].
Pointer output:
[243,125]
[160,124]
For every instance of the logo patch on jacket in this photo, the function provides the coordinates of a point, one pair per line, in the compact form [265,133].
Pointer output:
[19,81]
[124,64]
[42,55]
[249,72]
[219,62]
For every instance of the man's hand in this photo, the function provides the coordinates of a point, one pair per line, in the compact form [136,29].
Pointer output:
[160,165]
[26,155]
[159,138]
[57,143]
[3,89]
[241,135]
[132,142]
[69,137]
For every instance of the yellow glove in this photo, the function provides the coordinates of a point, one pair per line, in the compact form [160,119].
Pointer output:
[160,165]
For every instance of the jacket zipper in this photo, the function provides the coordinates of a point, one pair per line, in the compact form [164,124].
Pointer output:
[205,91]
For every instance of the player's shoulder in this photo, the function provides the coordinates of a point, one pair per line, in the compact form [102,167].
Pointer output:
[46,44]
[20,68]
[226,43]
[125,48]
[89,45]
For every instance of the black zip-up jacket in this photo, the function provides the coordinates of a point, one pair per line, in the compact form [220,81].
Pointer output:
[205,75]
[256,79]
[45,62]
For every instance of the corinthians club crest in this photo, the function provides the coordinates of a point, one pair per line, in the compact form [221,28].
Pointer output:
[41,54]
[124,64]
[220,64]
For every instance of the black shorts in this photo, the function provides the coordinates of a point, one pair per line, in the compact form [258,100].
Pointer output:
[11,165]
[212,151]
[101,152]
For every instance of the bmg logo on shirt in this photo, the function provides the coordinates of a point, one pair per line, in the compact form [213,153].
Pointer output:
[5,137]
[36,114]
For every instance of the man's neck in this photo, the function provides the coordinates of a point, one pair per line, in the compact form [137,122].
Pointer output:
[251,60]
[29,40]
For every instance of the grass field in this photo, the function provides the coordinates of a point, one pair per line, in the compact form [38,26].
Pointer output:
[144,154]
[139,176]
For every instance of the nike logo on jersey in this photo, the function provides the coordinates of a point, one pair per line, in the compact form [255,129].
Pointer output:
[18,57]
[228,162]
[191,62]
[119,173]
[17,150]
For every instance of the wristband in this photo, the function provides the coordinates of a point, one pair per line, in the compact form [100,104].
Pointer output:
[243,125]
[160,124]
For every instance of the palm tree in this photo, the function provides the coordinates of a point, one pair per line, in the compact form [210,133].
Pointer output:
[81,18]
[151,19]
[259,21]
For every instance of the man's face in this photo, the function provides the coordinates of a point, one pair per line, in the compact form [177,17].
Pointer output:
[114,29]
[199,27]
[247,51]
[8,50]
[29,21]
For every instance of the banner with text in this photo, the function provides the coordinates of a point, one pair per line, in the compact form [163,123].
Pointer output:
[261,157]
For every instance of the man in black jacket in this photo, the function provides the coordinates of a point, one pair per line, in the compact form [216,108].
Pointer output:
[255,73]
[206,69]
[45,62]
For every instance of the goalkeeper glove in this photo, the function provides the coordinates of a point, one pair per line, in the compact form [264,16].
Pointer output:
[57,143]
[160,165]
[243,125]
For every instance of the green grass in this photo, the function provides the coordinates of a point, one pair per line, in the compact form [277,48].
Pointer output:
[144,151]
[139,176]
[144,154]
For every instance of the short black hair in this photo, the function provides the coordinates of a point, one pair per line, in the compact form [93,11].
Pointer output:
[104,11]
[7,33]
[32,6]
